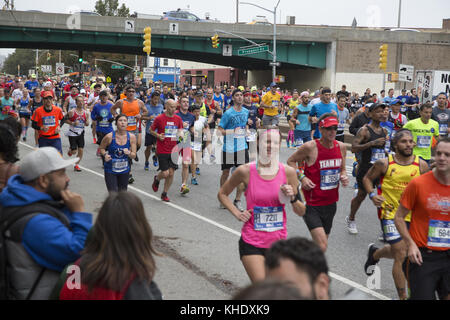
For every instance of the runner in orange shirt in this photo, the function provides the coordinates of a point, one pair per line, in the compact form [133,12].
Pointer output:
[428,238]
[46,119]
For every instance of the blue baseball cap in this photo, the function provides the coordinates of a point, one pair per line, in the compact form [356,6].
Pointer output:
[273,84]
[396,101]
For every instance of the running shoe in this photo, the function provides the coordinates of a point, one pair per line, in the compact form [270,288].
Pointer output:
[197,171]
[155,184]
[155,161]
[69,153]
[351,226]
[76,168]
[194,181]
[98,153]
[164,197]
[95,140]
[184,189]
[238,205]
[146,168]
[370,260]
[130,179]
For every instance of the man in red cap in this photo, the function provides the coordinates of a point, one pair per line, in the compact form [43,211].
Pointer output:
[46,120]
[324,160]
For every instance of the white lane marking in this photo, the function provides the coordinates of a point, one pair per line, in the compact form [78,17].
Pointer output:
[225,228]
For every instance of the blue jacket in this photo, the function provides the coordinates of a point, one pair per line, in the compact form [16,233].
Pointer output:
[48,241]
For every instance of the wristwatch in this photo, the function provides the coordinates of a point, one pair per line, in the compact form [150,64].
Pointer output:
[372,194]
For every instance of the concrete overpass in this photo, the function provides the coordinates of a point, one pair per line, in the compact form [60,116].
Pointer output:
[310,56]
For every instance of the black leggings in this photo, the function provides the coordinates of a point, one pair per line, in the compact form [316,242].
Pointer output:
[116,182]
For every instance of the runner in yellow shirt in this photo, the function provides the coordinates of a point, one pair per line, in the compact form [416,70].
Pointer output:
[271,102]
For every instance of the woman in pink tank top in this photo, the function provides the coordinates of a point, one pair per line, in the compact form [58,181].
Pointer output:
[269,186]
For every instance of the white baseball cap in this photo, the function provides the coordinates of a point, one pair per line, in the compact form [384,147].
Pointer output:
[42,161]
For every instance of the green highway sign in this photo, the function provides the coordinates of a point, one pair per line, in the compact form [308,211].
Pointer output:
[116,66]
[252,50]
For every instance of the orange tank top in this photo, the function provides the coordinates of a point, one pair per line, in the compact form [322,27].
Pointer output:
[131,110]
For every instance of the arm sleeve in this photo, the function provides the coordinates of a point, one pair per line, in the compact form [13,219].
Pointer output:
[51,244]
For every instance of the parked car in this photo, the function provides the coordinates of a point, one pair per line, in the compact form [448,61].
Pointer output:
[181,15]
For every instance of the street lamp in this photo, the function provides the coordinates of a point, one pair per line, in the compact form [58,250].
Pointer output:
[274,54]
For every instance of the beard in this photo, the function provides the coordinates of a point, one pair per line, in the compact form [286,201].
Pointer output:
[54,191]
[405,153]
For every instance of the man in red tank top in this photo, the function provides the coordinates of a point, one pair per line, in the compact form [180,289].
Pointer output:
[324,168]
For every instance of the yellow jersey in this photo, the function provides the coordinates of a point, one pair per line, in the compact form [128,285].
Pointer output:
[271,100]
[392,185]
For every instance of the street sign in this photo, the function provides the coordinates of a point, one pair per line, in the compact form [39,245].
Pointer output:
[117,66]
[405,73]
[80,67]
[129,25]
[276,64]
[227,50]
[173,28]
[149,70]
[46,68]
[108,80]
[59,68]
[252,50]
[148,76]
[31,71]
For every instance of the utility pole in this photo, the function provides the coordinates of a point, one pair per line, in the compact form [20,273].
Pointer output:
[237,11]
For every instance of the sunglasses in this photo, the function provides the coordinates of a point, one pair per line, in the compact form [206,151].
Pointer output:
[131,91]
[330,128]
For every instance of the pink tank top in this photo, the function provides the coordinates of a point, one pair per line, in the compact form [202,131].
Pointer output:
[268,221]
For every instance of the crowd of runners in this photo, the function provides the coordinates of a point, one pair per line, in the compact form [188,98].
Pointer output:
[401,159]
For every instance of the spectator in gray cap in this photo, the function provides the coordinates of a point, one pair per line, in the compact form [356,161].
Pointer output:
[46,225]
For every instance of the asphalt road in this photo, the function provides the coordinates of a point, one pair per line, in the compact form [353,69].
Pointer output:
[199,241]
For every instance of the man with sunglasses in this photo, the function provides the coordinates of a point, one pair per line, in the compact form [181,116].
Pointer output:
[46,120]
[134,109]
[324,160]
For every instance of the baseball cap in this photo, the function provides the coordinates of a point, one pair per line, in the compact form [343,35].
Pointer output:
[374,106]
[45,94]
[42,161]
[33,76]
[328,122]
[254,88]
[241,88]
[396,101]
[273,84]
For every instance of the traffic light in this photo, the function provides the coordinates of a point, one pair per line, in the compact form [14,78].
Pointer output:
[147,40]
[215,41]
[383,56]
[80,56]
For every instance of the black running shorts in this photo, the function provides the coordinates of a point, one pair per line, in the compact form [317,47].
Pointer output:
[320,217]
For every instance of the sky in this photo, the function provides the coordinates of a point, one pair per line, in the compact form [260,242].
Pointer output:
[373,13]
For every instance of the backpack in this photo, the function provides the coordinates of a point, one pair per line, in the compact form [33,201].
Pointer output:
[19,217]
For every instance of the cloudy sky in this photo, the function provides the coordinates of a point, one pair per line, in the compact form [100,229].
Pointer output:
[373,13]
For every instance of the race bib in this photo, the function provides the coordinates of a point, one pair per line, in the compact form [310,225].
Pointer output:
[275,103]
[423,141]
[377,154]
[298,143]
[170,132]
[196,145]
[119,165]
[24,109]
[80,124]
[49,121]
[390,231]
[439,234]
[104,123]
[268,219]
[329,179]
[443,128]
[251,137]
[131,121]
[341,126]
[239,132]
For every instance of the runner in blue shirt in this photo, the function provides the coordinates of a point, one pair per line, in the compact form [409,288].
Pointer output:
[103,118]
[324,106]
[155,108]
